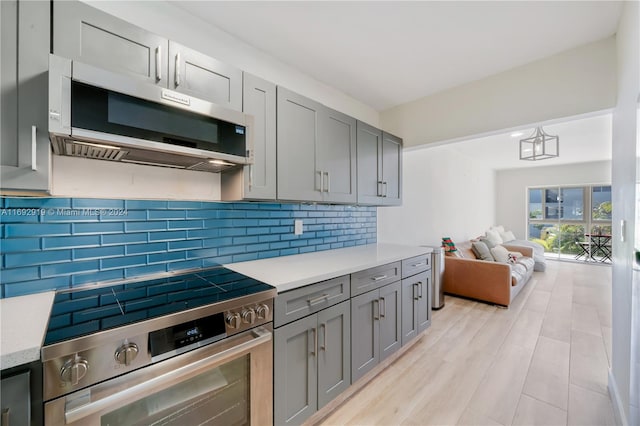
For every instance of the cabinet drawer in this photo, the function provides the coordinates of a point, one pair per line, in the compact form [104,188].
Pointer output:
[295,304]
[416,265]
[373,278]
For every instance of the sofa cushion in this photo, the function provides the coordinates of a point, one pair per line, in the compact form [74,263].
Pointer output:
[518,273]
[481,251]
[500,254]
[488,242]
[507,236]
[493,236]
[498,228]
[527,262]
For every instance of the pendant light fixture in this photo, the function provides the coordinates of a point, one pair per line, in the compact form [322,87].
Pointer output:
[539,146]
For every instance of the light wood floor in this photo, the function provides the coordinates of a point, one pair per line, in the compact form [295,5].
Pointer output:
[544,361]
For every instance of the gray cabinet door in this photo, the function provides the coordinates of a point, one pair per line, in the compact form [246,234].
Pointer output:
[16,399]
[424,302]
[204,77]
[86,34]
[390,306]
[410,301]
[298,120]
[369,164]
[256,181]
[365,333]
[334,352]
[391,169]
[337,156]
[295,371]
[25,149]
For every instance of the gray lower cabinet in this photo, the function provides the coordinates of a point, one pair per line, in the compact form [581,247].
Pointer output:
[379,164]
[204,77]
[311,363]
[316,151]
[25,152]
[416,305]
[15,397]
[256,181]
[375,327]
[91,36]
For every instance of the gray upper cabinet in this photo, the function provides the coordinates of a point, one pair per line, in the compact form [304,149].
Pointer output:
[256,181]
[337,157]
[204,77]
[391,169]
[298,140]
[25,154]
[379,159]
[316,151]
[86,34]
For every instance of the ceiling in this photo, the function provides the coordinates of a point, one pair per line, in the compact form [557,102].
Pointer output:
[581,140]
[386,53]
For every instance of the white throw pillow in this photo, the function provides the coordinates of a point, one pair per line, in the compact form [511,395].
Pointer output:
[493,236]
[507,236]
[500,254]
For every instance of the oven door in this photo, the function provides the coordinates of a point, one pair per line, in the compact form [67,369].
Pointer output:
[225,383]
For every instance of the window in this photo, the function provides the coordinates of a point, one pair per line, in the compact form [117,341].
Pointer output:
[558,221]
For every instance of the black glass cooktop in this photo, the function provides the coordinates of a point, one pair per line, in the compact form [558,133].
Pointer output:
[90,309]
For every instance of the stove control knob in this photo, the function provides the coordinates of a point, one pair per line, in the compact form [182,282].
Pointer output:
[263,311]
[74,370]
[233,320]
[126,353]
[248,316]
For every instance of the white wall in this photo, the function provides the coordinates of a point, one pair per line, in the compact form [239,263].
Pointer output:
[625,130]
[581,80]
[170,21]
[511,188]
[444,195]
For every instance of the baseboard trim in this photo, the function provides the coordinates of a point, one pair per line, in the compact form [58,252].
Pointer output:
[618,407]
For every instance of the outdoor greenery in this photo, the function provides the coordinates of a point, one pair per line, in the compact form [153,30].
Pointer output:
[560,239]
[603,211]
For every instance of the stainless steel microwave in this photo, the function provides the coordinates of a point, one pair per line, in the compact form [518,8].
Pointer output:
[95,113]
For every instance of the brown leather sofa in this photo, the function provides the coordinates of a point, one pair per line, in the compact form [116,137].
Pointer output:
[492,282]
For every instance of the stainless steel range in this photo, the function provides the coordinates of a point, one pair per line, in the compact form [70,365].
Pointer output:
[179,349]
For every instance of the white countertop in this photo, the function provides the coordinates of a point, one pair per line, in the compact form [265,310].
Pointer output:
[24,323]
[289,272]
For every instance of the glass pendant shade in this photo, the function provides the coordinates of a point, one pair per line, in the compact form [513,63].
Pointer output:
[539,146]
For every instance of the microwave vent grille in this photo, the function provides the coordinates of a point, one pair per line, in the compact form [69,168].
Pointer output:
[63,146]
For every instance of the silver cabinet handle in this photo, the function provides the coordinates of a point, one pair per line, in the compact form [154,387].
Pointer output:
[177,73]
[419,284]
[383,303]
[315,341]
[324,338]
[5,417]
[321,180]
[415,265]
[328,182]
[259,336]
[379,189]
[318,299]
[384,185]
[158,63]
[34,165]
[415,292]
[379,277]
[376,310]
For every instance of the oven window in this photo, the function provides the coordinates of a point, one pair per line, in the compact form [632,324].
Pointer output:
[219,396]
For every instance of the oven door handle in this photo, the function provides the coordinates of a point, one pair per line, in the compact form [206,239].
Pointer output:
[149,387]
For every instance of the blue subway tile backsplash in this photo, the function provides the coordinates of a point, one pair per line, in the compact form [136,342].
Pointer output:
[54,243]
